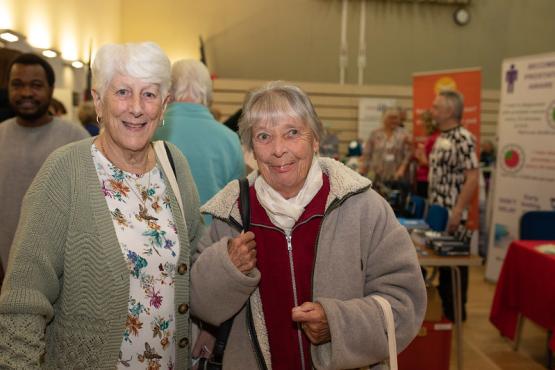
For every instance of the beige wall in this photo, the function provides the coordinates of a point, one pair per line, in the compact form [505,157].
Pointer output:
[65,25]
[299,39]
[296,39]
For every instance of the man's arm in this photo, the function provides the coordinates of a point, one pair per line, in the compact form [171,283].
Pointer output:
[463,200]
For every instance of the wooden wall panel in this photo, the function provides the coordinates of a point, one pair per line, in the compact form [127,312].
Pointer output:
[337,105]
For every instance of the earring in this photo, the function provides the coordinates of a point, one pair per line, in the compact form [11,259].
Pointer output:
[98,120]
[162,123]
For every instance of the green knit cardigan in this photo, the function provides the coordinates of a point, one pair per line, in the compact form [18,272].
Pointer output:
[64,300]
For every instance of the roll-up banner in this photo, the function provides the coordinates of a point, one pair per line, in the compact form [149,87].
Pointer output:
[525,168]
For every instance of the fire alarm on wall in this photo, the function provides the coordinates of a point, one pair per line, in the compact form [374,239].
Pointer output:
[461,16]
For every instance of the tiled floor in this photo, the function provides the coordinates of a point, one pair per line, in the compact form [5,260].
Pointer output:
[484,348]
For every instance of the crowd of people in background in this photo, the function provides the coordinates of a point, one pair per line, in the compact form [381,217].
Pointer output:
[176,263]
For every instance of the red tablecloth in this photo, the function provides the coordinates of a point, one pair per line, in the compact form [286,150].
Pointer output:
[526,286]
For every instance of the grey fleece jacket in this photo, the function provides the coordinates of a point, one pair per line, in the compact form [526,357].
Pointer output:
[362,250]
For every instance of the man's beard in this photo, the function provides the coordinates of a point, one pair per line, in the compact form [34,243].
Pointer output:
[27,115]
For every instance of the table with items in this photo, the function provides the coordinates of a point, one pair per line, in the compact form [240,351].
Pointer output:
[526,288]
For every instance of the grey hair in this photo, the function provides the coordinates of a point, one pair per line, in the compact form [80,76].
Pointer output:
[273,102]
[388,111]
[455,101]
[191,82]
[145,61]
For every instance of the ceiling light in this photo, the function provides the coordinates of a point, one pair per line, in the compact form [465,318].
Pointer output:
[9,36]
[49,53]
[77,64]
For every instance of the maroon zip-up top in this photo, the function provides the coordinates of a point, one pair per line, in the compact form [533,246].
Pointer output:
[276,285]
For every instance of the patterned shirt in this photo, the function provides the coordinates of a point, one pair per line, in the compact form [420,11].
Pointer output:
[148,239]
[454,152]
[385,155]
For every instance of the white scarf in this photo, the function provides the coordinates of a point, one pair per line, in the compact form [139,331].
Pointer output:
[285,212]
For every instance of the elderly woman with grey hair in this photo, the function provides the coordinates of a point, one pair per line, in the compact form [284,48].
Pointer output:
[388,150]
[321,244]
[98,276]
[213,151]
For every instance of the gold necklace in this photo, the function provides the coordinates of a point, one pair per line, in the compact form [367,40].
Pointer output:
[143,197]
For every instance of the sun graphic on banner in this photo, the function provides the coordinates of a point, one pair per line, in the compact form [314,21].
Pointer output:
[445,83]
[513,158]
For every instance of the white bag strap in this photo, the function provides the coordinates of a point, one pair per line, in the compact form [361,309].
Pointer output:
[390,330]
[165,162]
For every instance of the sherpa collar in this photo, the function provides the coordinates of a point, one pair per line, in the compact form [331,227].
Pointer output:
[343,182]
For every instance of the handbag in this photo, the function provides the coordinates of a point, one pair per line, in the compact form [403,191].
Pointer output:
[390,330]
[215,362]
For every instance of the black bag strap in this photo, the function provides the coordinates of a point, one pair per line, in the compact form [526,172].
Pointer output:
[225,328]
[170,158]
[245,203]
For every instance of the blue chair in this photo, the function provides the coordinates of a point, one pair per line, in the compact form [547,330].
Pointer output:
[437,217]
[416,206]
[537,225]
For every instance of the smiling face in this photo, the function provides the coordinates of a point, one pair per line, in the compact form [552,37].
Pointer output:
[283,150]
[130,110]
[29,92]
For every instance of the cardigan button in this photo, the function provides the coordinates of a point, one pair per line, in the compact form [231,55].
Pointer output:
[184,342]
[183,308]
[182,269]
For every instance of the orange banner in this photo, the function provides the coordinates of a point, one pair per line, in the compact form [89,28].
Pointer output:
[425,87]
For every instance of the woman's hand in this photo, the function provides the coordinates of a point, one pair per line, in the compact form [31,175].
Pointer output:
[313,320]
[242,251]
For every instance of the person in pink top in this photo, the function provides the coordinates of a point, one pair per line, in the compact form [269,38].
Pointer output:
[422,154]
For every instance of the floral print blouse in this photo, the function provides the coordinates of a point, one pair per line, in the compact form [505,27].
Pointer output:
[148,239]
[385,155]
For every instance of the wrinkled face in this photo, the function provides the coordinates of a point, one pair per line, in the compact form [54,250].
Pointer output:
[284,152]
[29,92]
[441,111]
[130,111]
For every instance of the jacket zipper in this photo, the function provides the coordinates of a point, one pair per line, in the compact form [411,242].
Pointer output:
[250,324]
[250,321]
[334,204]
[295,297]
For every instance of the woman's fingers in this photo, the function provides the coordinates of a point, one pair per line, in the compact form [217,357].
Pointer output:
[242,251]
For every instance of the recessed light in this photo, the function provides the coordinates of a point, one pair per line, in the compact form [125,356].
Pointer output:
[9,37]
[49,53]
[77,64]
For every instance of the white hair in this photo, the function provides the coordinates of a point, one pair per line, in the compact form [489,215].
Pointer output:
[191,82]
[145,61]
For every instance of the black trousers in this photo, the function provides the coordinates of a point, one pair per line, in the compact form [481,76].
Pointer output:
[422,189]
[445,289]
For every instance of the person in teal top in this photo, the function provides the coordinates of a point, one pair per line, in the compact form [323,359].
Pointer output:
[213,150]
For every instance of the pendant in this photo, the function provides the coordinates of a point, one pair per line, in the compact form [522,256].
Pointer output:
[143,214]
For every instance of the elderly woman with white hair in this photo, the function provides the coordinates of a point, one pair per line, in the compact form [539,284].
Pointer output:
[388,150]
[98,276]
[213,151]
[321,245]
